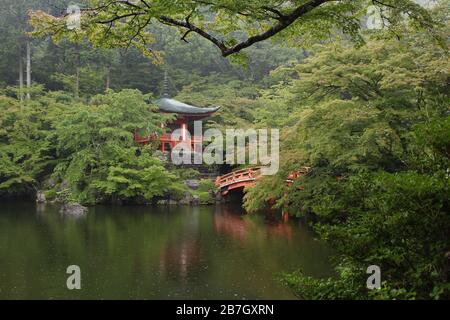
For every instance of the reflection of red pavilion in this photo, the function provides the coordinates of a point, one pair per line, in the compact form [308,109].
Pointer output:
[179,257]
[185,117]
[182,252]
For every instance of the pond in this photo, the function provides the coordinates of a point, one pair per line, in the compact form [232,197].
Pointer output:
[139,252]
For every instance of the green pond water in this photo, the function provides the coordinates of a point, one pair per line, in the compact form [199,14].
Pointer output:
[152,253]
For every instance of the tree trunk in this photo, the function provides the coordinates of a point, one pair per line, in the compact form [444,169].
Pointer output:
[77,70]
[108,78]
[28,69]
[77,83]
[20,76]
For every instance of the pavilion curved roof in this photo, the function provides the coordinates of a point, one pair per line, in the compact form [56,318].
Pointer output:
[174,106]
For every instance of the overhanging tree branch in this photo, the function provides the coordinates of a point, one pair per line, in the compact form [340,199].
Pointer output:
[193,28]
[284,21]
[116,10]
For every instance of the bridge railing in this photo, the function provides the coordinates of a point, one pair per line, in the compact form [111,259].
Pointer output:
[248,174]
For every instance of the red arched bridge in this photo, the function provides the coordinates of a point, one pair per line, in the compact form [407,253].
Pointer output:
[238,179]
[243,178]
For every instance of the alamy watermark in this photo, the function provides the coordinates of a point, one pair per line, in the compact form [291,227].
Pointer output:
[374,281]
[237,146]
[74,280]
[375,20]
[73,21]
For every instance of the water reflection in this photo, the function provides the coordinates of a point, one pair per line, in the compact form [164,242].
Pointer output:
[238,226]
[231,224]
[152,252]
[181,255]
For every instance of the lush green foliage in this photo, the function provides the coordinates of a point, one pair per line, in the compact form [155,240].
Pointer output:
[24,149]
[374,125]
[230,26]
[85,152]
[205,191]
[85,69]
[398,221]
[345,112]
[372,122]
[99,156]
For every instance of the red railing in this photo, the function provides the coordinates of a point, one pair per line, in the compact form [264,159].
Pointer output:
[297,174]
[167,138]
[238,179]
[247,177]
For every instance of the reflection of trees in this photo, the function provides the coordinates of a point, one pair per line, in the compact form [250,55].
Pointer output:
[116,247]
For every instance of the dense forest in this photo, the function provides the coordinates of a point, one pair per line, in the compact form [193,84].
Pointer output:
[367,110]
